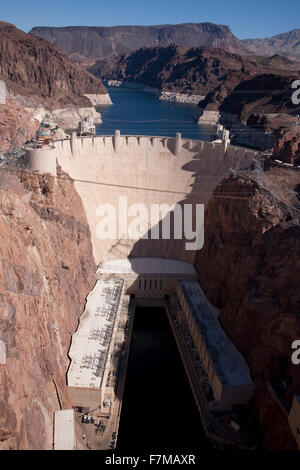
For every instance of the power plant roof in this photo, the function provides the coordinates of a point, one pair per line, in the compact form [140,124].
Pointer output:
[91,342]
[159,266]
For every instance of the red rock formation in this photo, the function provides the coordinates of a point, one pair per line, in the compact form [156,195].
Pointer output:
[183,70]
[95,42]
[47,269]
[287,147]
[31,66]
[249,267]
[16,125]
[36,73]
[232,84]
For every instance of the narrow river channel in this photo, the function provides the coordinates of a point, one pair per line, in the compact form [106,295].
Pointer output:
[158,410]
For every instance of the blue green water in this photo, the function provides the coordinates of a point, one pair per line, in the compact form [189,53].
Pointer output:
[136,112]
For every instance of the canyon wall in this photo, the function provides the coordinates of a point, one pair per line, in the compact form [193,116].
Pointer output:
[17,125]
[47,269]
[249,268]
[38,78]
[31,66]
[89,43]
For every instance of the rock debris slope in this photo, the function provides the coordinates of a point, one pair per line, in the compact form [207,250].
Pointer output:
[47,269]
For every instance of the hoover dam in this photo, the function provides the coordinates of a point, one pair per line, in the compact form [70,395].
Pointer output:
[117,178]
[146,170]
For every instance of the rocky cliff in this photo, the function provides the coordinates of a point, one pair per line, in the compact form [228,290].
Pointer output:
[262,93]
[249,267]
[47,269]
[232,83]
[287,146]
[85,43]
[287,44]
[173,68]
[17,125]
[31,66]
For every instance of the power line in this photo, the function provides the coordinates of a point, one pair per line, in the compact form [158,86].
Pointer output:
[228,195]
[101,183]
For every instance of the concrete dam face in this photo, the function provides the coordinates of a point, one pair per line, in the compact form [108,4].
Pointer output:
[140,195]
[120,178]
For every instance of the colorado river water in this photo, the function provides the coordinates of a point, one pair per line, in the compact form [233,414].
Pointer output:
[136,112]
[158,411]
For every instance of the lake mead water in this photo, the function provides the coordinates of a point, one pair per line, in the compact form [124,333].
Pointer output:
[136,112]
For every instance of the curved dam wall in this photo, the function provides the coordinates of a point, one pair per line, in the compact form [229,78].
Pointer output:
[142,170]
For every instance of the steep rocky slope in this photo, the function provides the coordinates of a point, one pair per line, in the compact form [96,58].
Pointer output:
[31,66]
[17,125]
[83,43]
[264,93]
[287,44]
[36,74]
[249,267]
[196,70]
[47,269]
[258,109]
[287,147]
[247,90]
[172,68]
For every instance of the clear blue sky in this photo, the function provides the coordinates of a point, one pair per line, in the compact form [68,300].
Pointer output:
[255,18]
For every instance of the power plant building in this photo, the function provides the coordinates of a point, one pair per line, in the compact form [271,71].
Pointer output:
[226,368]
[91,346]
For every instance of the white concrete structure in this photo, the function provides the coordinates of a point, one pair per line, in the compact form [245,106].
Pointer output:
[99,333]
[226,368]
[44,157]
[64,430]
[2,352]
[87,126]
[89,351]
[146,169]
[148,277]
[68,118]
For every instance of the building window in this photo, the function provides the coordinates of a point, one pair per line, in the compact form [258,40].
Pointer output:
[155,284]
[145,284]
[160,284]
[150,284]
[140,284]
